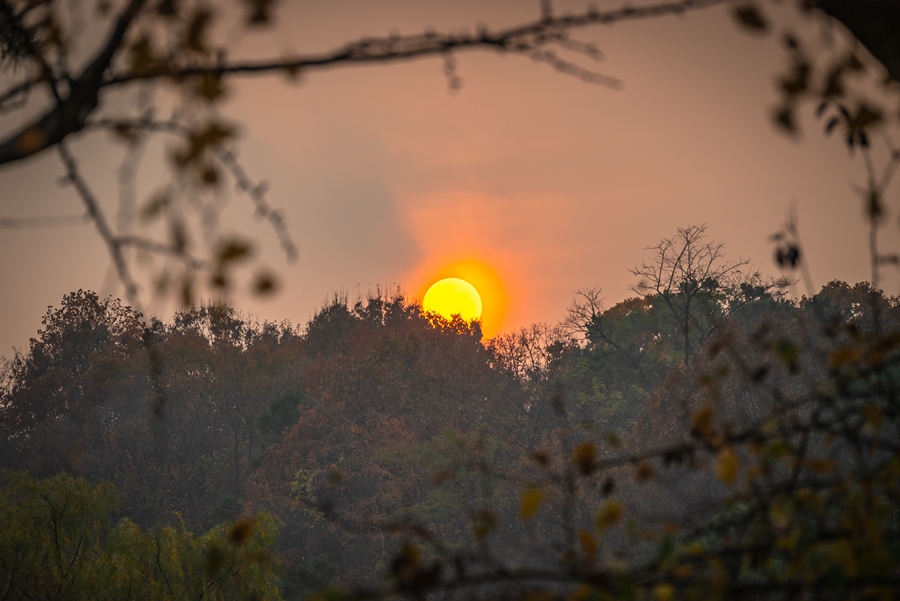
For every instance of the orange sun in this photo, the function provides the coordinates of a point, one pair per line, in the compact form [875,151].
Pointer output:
[453,296]
[486,282]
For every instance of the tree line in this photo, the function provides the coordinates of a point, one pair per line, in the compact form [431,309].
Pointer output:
[748,450]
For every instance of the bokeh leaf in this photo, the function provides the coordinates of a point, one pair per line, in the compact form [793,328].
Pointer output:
[532,498]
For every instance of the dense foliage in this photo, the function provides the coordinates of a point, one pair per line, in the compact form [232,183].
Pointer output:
[58,541]
[388,444]
[706,439]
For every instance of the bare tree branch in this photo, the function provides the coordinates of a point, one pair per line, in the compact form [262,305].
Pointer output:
[682,272]
[15,223]
[256,191]
[103,228]
[68,116]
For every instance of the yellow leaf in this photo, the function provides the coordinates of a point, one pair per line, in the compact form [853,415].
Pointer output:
[585,458]
[727,466]
[588,543]
[31,140]
[607,517]
[531,501]
[664,592]
[702,422]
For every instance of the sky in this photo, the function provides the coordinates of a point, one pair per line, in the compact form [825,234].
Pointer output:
[533,182]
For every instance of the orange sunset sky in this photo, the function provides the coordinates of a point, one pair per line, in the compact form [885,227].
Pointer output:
[538,182]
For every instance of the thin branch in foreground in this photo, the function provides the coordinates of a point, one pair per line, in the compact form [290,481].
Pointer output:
[99,219]
[532,39]
[161,248]
[20,223]
[256,191]
[521,39]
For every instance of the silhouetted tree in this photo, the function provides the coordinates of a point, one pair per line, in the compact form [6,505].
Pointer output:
[690,276]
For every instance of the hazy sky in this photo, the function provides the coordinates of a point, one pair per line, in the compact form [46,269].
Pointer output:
[385,178]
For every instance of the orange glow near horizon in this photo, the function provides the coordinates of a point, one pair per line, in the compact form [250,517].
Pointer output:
[487,283]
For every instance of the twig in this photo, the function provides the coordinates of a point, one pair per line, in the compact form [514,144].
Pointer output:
[99,219]
[15,223]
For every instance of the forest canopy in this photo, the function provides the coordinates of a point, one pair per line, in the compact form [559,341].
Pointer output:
[379,451]
[711,437]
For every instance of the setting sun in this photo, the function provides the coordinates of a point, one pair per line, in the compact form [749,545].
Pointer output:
[491,291]
[453,296]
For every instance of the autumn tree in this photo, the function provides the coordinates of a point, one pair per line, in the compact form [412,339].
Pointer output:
[787,430]
[690,276]
[81,401]
[406,420]
[765,468]
[73,340]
